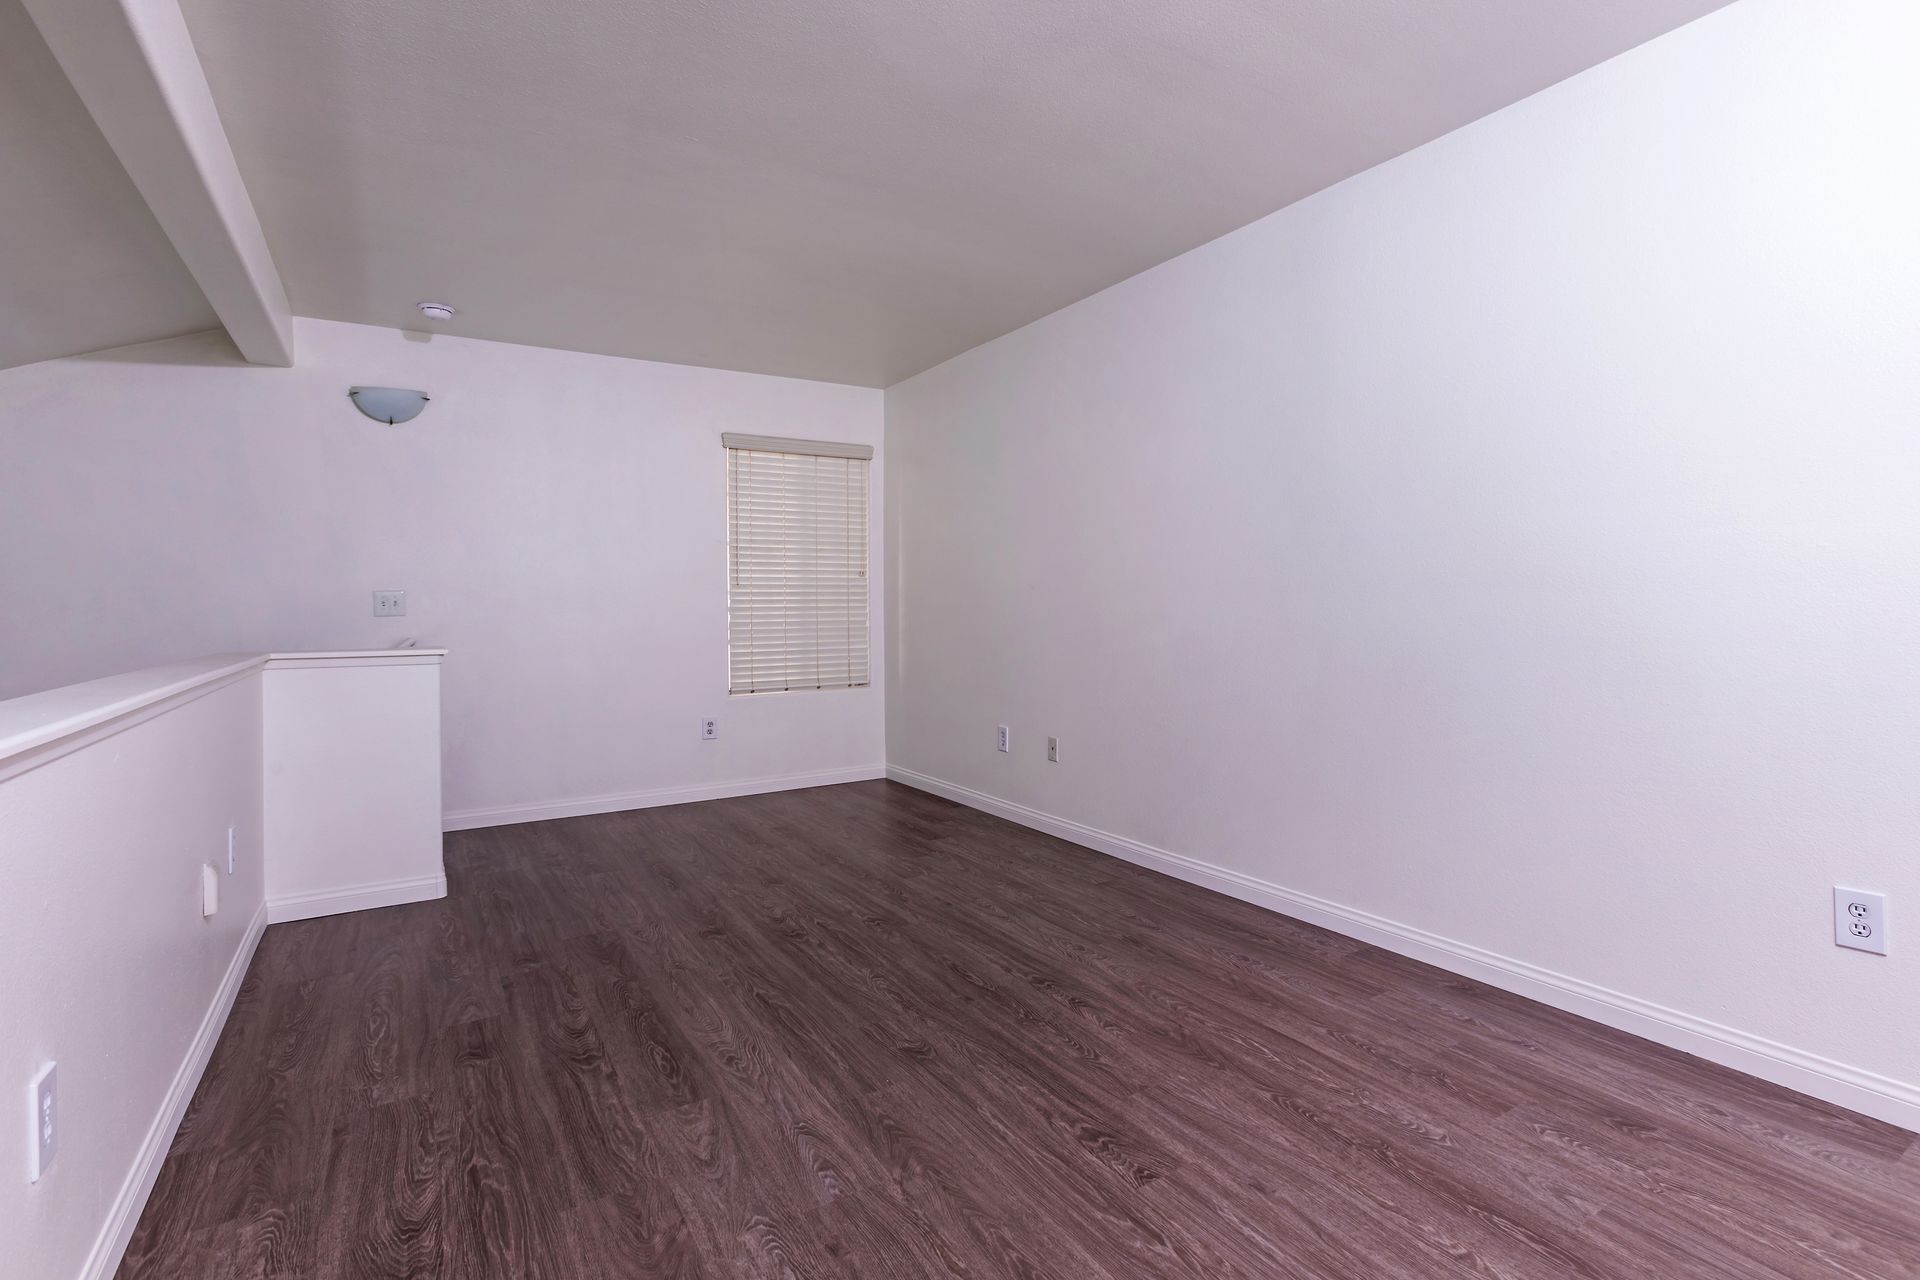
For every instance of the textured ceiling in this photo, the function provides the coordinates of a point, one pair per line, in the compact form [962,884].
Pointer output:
[83,264]
[845,189]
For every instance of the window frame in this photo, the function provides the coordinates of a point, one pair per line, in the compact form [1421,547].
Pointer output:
[856,529]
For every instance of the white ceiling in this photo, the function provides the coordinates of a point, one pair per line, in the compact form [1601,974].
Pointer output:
[845,189]
[83,264]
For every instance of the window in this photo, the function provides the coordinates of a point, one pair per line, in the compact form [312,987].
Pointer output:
[796,564]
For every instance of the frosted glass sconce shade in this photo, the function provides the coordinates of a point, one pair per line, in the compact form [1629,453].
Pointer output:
[391,405]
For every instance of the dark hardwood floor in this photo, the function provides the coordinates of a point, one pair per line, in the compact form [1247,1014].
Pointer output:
[859,1031]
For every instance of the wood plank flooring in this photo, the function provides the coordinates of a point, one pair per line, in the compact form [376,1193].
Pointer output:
[861,1032]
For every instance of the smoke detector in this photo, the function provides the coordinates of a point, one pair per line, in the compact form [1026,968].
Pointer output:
[436,311]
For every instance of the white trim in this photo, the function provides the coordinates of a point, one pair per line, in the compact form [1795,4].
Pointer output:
[39,727]
[360,897]
[468,819]
[111,1243]
[357,658]
[100,708]
[28,759]
[1882,1097]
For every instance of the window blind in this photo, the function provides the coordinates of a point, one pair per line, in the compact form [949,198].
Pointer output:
[796,564]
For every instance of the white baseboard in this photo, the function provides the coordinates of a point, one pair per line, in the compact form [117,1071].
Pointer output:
[112,1242]
[362,897]
[1882,1097]
[467,819]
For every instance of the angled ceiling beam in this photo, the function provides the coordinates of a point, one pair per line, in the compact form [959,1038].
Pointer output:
[134,65]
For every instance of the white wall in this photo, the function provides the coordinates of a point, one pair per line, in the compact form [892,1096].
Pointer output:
[556,519]
[110,969]
[351,780]
[1516,544]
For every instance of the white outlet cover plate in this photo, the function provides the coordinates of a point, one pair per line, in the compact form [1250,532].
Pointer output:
[1005,740]
[43,1098]
[389,604]
[1860,920]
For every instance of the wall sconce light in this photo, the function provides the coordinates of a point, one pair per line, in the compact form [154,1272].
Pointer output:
[391,405]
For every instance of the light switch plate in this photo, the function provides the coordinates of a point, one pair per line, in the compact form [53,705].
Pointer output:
[43,1096]
[389,604]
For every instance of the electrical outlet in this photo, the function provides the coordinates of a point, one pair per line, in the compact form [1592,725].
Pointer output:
[1053,750]
[1860,920]
[229,850]
[44,1096]
[389,604]
[709,729]
[209,890]
[1006,739]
